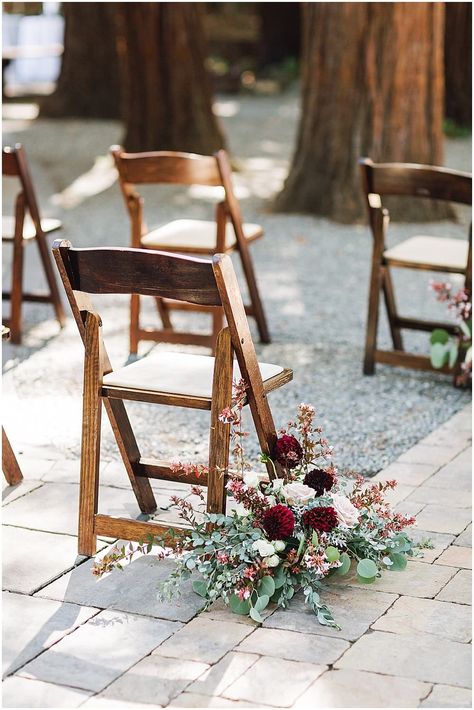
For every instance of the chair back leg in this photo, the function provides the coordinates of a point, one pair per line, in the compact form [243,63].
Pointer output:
[54,296]
[219,439]
[16,291]
[11,469]
[390,305]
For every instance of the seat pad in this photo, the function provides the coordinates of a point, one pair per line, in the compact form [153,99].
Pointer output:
[431,251]
[176,373]
[29,231]
[189,234]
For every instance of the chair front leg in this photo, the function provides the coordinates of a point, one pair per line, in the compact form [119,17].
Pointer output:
[219,438]
[90,452]
[389,296]
[16,290]
[377,218]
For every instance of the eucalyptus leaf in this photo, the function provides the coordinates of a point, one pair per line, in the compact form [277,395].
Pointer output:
[399,561]
[266,586]
[254,614]
[367,569]
[439,355]
[439,335]
[345,566]
[200,587]
[466,328]
[332,553]
[365,580]
[262,602]
[453,354]
[239,606]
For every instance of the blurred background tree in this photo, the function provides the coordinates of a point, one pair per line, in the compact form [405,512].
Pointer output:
[372,85]
[458,63]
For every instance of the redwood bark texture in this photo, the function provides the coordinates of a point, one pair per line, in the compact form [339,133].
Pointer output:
[88,86]
[372,85]
[457,62]
[166,91]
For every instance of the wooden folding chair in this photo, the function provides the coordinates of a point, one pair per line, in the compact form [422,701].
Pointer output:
[10,466]
[24,227]
[187,236]
[174,379]
[419,252]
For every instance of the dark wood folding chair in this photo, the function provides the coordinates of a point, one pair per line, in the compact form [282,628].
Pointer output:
[187,236]
[10,466]
[425,253]
[173,379]
[25,226]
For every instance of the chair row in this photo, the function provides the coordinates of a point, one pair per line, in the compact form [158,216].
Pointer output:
[228,233]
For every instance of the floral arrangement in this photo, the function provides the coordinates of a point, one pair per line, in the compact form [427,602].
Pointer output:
[449,349]
[284,534]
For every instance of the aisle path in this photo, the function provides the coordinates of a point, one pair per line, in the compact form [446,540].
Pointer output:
[71,640]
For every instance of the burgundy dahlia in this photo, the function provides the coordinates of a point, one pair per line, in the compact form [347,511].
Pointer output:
[320,480]
[322,519]
[288,451]
[278,522]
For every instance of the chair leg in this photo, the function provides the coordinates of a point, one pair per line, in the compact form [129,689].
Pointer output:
[219,438]
[90,451]
[134,322]
[217,325]
[130,453]
[255,300]
[372,318]
[389,296]
[164,312]
[16,296]
[10,467]
[51,280]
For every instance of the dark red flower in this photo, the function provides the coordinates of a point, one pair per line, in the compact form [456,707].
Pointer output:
[322,519]
[288,451]
[320,480]
[278,522]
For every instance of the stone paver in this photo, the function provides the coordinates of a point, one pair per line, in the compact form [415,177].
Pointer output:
[415,581]
[98,701]
[293,645]
[410,615]
[11,493]
[154,680]
[223,673]
[435,455]
[132,590]
[31,625]
[274,681]
[100,651]
[432,495]
[456,475]
[354,610]
[204,640]
[196,700]
[406,473]
[26,693]
[459,589]
[440,518]
[465,538]
[411,656]
[446,696]
[359,689]
[456,556]
[439,541]
[31,558]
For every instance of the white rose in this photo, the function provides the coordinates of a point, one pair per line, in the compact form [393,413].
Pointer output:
[273,561]
[252,478]
[279,545]
[264,548]
[297,493]
[277,484]
[346,512]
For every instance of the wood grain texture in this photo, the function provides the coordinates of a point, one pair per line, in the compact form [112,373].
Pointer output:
[136,529]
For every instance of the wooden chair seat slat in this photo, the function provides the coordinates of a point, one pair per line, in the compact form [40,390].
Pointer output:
[435,253]
[29,230]
[194,236]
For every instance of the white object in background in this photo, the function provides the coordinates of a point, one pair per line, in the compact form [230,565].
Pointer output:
[34,31]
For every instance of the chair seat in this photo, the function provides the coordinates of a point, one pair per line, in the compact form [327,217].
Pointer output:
[29,230]
[176,373]
[437,253]
[195,236]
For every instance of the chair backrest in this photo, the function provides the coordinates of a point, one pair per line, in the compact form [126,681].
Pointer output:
[110,270]
[167,167]
[416,181]
[15,164]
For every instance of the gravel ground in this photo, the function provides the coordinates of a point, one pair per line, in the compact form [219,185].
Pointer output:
[313,276]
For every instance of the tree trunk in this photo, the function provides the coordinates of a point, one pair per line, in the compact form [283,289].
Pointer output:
[372,85]
[167,98]
[88,86]
[280,32]
[457,62]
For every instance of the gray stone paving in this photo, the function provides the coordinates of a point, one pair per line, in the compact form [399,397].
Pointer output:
[71,640]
